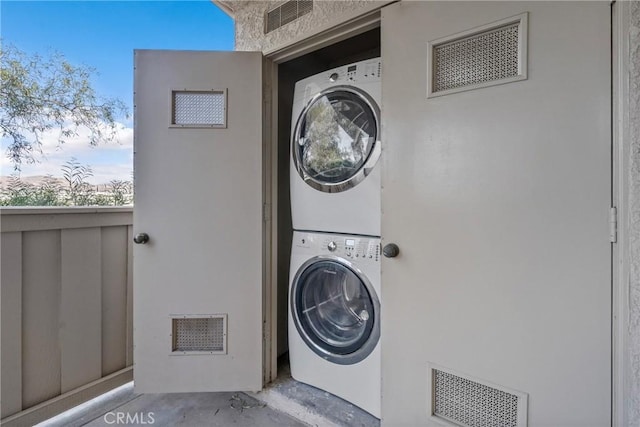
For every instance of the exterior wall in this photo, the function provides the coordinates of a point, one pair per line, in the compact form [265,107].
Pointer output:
[249,18]
[634,213]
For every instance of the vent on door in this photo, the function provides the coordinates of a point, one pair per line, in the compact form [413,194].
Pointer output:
[469,402]
[286,12]
[198,334]
[487,56]
[199,108]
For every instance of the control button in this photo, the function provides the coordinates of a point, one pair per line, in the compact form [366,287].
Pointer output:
[333,77]
[332,246]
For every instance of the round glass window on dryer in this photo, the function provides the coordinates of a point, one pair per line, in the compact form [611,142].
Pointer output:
[336,139]
[335,310]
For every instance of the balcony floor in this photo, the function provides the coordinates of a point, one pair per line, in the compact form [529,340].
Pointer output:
[184,409]
[284,403]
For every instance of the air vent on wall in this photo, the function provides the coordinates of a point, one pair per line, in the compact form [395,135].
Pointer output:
[198,334]
[286,12]
[486,56]
[199,108]
[468,402]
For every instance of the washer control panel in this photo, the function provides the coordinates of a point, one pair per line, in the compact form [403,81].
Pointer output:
[354,248]
[357,248]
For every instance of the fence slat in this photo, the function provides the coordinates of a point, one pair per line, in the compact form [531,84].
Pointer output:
[114,299]
[81,307]
[11,363]
[130,295]
[40,316]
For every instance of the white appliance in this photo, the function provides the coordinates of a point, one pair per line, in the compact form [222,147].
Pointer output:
[335,145]
[334,316]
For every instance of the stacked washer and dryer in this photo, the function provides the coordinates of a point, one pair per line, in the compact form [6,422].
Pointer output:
[334,294]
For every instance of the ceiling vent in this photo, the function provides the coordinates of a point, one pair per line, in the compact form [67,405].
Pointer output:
[286,12]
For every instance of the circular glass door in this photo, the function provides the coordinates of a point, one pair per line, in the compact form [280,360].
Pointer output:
[335,143]
[335,310]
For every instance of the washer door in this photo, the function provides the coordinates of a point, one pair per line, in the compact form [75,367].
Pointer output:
[335,143]
[335,310]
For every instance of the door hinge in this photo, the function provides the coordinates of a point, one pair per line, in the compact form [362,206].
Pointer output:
[613,224]
[266,212]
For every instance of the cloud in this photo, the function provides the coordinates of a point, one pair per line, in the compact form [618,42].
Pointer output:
[113,160]
[80,141]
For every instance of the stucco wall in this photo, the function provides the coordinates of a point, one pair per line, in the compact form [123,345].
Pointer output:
[250,36]
[634,214]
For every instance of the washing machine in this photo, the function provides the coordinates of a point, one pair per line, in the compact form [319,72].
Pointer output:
[335,147]
[334,316]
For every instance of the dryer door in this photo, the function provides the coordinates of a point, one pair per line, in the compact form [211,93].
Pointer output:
[335,143]
[335,310]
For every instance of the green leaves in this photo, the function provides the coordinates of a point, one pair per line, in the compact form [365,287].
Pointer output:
[78,190]
[39,94]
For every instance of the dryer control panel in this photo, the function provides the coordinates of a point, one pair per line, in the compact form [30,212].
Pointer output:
[363,71]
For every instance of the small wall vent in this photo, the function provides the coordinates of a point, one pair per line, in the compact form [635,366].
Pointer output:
[462,401]
[486,56]
[199,108]
[285,13]
[199,334]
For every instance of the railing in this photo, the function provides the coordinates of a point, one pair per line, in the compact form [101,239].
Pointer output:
[66,295]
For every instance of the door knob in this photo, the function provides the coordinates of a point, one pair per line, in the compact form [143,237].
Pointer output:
[391,250]
[141,238]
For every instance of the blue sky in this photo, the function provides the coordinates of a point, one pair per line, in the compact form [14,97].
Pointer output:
[103,35]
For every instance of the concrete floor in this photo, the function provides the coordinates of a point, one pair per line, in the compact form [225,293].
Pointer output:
[311,405]
[124,407]
[284,403]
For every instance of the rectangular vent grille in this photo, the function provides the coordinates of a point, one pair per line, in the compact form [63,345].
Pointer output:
[484,58]
[199,108]
[199,334]
[469,403]
[287,12]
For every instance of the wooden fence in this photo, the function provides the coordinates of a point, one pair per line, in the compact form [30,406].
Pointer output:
[66,308]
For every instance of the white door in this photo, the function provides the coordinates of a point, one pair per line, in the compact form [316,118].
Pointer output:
[498,197]
[198,197]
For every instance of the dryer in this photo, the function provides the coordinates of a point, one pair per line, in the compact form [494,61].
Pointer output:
[334,316]
[335,147]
